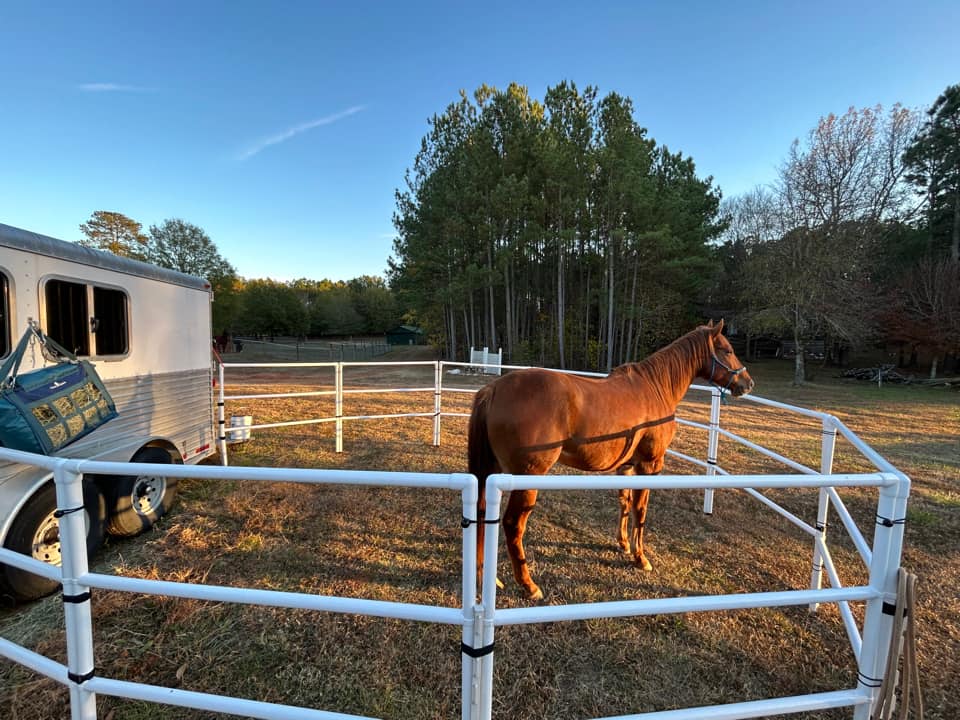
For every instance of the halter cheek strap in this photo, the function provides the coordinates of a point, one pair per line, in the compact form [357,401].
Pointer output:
[714,361]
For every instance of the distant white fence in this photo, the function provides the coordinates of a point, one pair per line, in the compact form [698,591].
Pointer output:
[486,362]
[479,619]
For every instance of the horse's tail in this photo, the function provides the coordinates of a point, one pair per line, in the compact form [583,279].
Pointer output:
[481,461]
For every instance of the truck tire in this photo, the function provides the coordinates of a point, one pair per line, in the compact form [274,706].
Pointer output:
[36,532]
[136,502]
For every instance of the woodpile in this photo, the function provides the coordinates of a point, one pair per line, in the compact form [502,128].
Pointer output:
[889,374]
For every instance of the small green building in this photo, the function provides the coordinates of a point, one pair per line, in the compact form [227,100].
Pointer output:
[405,335]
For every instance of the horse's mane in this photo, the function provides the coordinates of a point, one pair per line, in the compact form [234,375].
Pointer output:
[670,367]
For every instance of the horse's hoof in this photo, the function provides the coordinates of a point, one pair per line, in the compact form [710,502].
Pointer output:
[643,564]
[535,594]
[500,584]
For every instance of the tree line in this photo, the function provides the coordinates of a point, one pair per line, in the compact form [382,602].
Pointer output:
[563,232]
[264,307]
[558,230]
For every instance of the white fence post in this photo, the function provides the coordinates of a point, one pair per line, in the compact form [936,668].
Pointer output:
[878,624]
[338,405]
[828,444]
[713,443]
[470,676]
[76,597]
[221,419]
[489,594]
[437,381]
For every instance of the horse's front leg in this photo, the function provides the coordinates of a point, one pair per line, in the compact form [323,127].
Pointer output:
[625,505]
[640,500]
[518,510]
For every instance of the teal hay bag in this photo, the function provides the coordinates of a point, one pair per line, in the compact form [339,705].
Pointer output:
[43,410]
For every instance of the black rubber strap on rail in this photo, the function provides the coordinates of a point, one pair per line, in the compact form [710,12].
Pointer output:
[476,652]
[80,679]
[870,682]
[891,609]
[821,526]
[60,513]
[888,523]
[82,597]
[466,522]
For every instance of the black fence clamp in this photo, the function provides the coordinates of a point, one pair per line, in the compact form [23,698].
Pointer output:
[476,652]
[466,522]
[80,679]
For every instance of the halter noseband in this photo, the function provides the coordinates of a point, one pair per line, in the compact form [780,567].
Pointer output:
[733,373]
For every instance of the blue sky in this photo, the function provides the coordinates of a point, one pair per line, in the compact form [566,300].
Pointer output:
[284,128]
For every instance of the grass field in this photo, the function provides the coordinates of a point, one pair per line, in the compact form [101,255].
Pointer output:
[404,545]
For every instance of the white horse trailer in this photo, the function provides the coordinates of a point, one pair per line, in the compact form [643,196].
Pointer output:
[147,330]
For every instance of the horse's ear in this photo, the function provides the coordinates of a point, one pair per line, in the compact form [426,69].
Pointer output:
[710,323]
[716,329]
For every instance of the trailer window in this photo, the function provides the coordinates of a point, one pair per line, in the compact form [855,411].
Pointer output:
[110,321]
[67,315]
[69,320]
[5,318]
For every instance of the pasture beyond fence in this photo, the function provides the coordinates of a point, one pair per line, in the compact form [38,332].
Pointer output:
[297,350]
[479,619]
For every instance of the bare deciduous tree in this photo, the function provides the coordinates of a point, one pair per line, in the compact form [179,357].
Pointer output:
[834,195]
[928,308]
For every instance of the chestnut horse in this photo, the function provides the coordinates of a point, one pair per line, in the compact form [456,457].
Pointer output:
[526,421]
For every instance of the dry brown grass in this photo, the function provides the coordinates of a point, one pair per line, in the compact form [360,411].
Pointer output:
[404,545]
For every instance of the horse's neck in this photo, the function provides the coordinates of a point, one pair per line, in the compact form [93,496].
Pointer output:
[670,372]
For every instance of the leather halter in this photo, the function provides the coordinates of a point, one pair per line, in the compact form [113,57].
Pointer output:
[733,373]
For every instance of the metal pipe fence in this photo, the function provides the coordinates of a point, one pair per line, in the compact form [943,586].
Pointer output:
[479,618]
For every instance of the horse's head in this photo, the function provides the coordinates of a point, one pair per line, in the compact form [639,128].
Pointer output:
[723,369]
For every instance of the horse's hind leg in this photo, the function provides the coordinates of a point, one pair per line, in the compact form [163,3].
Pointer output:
[482,529]
[518,510]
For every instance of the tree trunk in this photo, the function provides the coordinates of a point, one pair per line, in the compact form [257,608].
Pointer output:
[450,318]
[933,367]
[473,322]
[631,310]
[799,370]
[955,239]
[492,305]
[561,320]
[508,310]
[586,321]
[611,332]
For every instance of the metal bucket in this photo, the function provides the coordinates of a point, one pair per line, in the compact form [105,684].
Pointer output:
[240,429]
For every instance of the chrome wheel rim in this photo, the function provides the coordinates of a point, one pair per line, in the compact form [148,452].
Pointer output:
[148,492]
[46,541]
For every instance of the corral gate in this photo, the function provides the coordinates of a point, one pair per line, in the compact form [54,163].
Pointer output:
[479,619]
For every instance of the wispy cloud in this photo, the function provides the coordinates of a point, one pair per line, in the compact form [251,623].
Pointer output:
[261,145]
[110,87]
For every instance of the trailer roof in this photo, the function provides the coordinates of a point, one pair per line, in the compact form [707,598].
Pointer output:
[34,242]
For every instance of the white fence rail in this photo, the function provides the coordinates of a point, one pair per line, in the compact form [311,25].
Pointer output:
[479,619]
